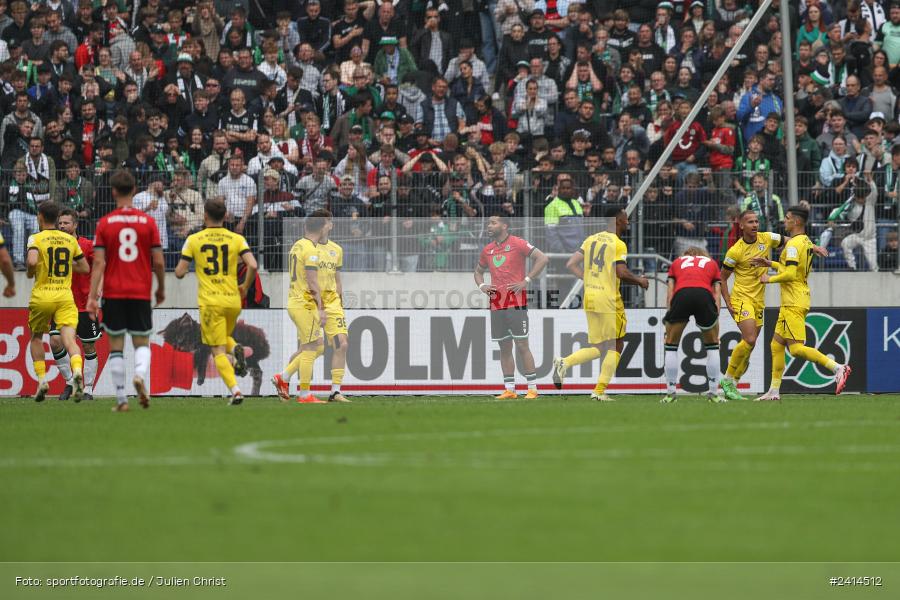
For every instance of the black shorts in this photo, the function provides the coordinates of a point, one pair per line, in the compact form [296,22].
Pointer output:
[121,316]
[693,302]
[509,323]
[88,329]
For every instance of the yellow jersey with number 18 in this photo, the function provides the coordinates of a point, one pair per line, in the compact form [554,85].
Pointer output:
[216,253]
[798,252]
[602,252]
[304,256]
[746,276]
[331,260]
[57,251]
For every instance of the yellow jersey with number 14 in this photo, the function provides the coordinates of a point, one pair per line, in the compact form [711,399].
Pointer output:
[57,251]
[602,252]
[797,252]
[331,260]
[746,276]
[304,257]
[216,253]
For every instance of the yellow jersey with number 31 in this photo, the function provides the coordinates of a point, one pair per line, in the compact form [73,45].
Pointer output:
[746,276]
[216,253]
[304,256]
[797,252]
[602,252]
[331,260]
[57,251]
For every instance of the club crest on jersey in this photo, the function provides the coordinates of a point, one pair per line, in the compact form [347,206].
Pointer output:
[745,313]
[761,247]
[499,260]
[332,252]
[506,249]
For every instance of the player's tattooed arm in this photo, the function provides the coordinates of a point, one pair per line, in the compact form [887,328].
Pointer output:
[626,276]
[575,264]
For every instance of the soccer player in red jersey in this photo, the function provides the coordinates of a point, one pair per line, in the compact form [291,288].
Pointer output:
[127,251]
[694,291]
[88,330]
[505,257]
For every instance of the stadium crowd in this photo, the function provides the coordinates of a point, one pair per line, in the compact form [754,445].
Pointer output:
[448,111]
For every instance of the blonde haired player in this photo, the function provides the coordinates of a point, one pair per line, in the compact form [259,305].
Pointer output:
[331,261]
[306,309]
[216,251]
[600,262]
[793,269]
[746,301]
[52,257]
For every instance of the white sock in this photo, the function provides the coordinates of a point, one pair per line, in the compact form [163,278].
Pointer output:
[90,372]
[510,383]
[531,378]
[713,373]
[235,389]
[335,388]
[63,364]
[116,365]
[671,363]
[142,361]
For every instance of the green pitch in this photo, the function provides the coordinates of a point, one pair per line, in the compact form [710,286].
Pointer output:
[453,479]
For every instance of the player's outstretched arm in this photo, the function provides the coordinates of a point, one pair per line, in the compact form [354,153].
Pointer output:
[250,277]
[81,266]
[539,262]
[626,276]
[789,273]
[6,267]
[159,269]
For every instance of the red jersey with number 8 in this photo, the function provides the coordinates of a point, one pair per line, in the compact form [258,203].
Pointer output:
[127,236]
[506,262]
[694,272]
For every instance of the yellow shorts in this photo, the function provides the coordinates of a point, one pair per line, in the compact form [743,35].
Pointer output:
[217,324]
[306,320]
[603,327]
[63,313]
[746,309]
[335,323]
[791,324]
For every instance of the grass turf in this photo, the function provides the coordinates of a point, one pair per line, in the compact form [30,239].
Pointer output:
[452,479]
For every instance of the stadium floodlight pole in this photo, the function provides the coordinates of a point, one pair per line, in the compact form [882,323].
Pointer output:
[790,136]
[698,105]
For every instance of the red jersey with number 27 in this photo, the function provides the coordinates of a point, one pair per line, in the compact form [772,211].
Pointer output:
[506,261]
[127,236]
[694,272]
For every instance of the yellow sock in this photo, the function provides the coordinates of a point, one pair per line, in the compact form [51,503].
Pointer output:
[607,370]
[740,353]
[581,356]
[777,364]
[226,370]
[307,359]
[812,355]
[292,367]
[230,344]
[337,376]
[76,362]
[40,369]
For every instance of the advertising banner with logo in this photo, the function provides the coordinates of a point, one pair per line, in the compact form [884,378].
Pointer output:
[883,350]
[836,332]
[391,352]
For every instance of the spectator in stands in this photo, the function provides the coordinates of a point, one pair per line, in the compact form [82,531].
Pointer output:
[887,258]
[431,43]
[564,217]
[315,189]
[759,102]
[837,126]
[392,63]
[239,193]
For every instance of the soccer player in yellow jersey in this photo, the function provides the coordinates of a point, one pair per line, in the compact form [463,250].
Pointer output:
[306,309]
[6,267]
[331,261]
[746,301]
[793,269]
[600,262]
[216,251]
[52,257]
